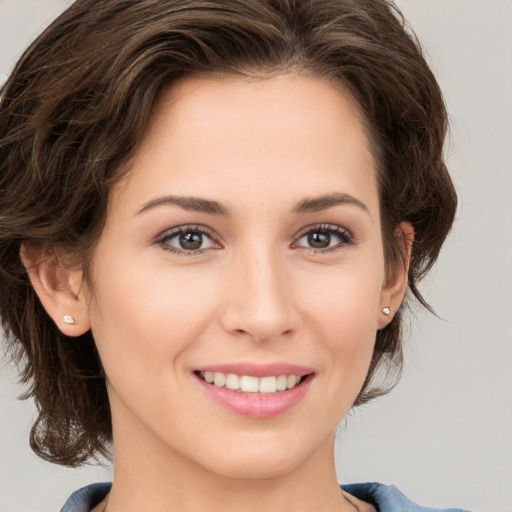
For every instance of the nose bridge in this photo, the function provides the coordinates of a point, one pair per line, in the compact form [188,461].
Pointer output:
[259,300]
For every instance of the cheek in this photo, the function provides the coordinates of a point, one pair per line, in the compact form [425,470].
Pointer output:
[142,321]
[340,309]
[343,296]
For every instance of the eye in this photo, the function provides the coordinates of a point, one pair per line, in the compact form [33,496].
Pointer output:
[187,240]
[324,238]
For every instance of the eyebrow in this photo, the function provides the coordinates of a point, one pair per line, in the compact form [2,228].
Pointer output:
[210,207]
[316,204]
[196,204]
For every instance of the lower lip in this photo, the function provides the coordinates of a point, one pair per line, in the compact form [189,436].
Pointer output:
[255,405]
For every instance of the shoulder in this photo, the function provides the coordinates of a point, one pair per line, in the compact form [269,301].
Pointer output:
[387,498]
[86,498]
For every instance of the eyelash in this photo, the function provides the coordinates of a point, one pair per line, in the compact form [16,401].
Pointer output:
[163,239]
[344,235]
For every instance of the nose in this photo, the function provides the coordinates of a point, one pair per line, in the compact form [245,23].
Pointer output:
[259,301]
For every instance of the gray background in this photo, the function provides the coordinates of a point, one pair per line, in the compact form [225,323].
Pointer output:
[444,436]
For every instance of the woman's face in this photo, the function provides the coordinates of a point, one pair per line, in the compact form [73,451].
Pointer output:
[243,245]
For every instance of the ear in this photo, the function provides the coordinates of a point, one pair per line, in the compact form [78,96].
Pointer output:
[395,286]
[59,288]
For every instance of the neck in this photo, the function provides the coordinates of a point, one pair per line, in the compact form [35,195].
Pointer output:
[149,476]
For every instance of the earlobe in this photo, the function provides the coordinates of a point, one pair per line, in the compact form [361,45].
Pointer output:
[58,288]
[396,282]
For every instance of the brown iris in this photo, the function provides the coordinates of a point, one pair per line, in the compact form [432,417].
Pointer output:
[191,241]
[319,239]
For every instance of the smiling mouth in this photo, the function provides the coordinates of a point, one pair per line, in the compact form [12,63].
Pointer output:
[251,384]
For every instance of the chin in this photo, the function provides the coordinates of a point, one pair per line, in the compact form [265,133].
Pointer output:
[256,468]
[263,459]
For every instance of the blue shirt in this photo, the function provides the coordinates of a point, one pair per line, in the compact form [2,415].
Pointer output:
[385,498]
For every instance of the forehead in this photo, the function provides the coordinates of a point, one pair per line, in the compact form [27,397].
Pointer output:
[285,135]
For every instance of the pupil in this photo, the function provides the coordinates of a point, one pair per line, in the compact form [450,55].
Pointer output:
[191,240]
[319,240]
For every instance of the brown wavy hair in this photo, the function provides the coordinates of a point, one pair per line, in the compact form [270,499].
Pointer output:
[78,102]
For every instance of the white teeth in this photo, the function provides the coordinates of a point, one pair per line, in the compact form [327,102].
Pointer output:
[267,385]
[219,379]
[232,381]
[281,382]
[251,384]
[292,381]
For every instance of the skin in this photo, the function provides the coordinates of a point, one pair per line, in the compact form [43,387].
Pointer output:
[255,291]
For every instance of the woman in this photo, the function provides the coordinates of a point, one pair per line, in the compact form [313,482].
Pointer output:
[223,203]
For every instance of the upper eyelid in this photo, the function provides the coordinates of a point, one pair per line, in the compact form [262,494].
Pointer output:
[209,231]
[170,232]
[324,226]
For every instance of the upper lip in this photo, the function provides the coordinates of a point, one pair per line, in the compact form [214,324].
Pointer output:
[258,370]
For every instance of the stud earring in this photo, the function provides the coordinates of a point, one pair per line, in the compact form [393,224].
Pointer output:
[386,311]
[68,319]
